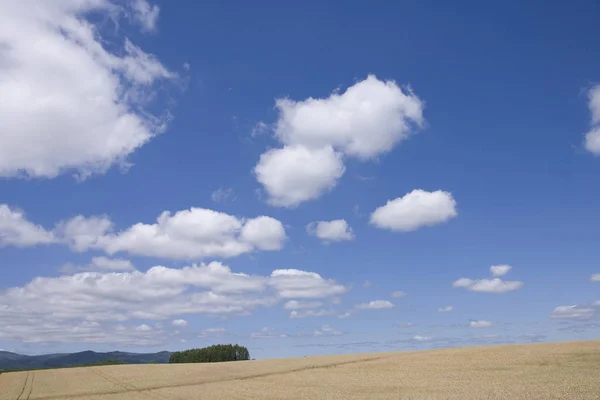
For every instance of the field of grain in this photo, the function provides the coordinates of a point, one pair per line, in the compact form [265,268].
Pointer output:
[538,371]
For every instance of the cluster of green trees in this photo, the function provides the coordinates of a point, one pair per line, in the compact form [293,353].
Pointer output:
[216,353]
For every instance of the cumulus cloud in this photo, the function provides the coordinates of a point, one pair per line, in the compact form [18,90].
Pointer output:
[295,174]
[480,324]
[331,231]
[16,230]
[415,210]
[57,73]
[592,138]
[445,309]
[375,305]
[494,285]
[299,305]
[298,284]
[179,322]
[573,312]
[161,293]
[365,121]
[196,233]
[500,270]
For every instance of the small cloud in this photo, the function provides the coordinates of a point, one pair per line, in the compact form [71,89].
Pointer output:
[480,324]
[499,270]
[143,328]
[367,284]
[331,231]
[212,332]
[345,315]
[445,309]
[298,305]
[494,285]
[356,211]
[405,325]
[260,129]
[398,294]
[420,338]
[187,66]
[595,278]
[336,300]
[572,312]
[327,330]
[310,313]
[222,195]
[375,305]
[179,322]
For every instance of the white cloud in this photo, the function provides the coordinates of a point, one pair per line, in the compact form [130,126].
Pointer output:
[191,234]
[445,309]
[221,195]
[592,138]
[494,285]
[310,313]
[293,283]
[595,278]
[331,231]
[415,210]
[63,303]
[16,230]
[367,284]
[365,121]
[592,141]
[375,305]
[145,14]
[327,330]
[179,322]
[499,270]
[420,338]
[299,305]
[572,312]
[57,74]
[398,294]
[295,174]
[405,325]
[480,324]
[344,315]
[144,328]
[368,119]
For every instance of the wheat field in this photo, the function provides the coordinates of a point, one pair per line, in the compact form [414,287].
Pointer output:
[535,371]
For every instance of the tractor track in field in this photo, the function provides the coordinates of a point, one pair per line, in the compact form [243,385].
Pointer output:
[27,386]
[147,391]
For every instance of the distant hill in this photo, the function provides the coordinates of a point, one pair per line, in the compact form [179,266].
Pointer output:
[11,361]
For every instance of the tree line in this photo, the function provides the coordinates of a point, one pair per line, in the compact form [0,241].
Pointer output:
[216,353]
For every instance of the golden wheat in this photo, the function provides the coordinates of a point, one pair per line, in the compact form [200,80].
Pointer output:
[540,371]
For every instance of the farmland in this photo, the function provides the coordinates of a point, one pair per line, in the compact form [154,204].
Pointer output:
[536,371]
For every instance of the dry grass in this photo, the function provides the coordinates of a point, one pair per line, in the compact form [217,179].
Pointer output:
[540,371]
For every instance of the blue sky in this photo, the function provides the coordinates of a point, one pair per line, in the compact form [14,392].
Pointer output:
[356,151]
